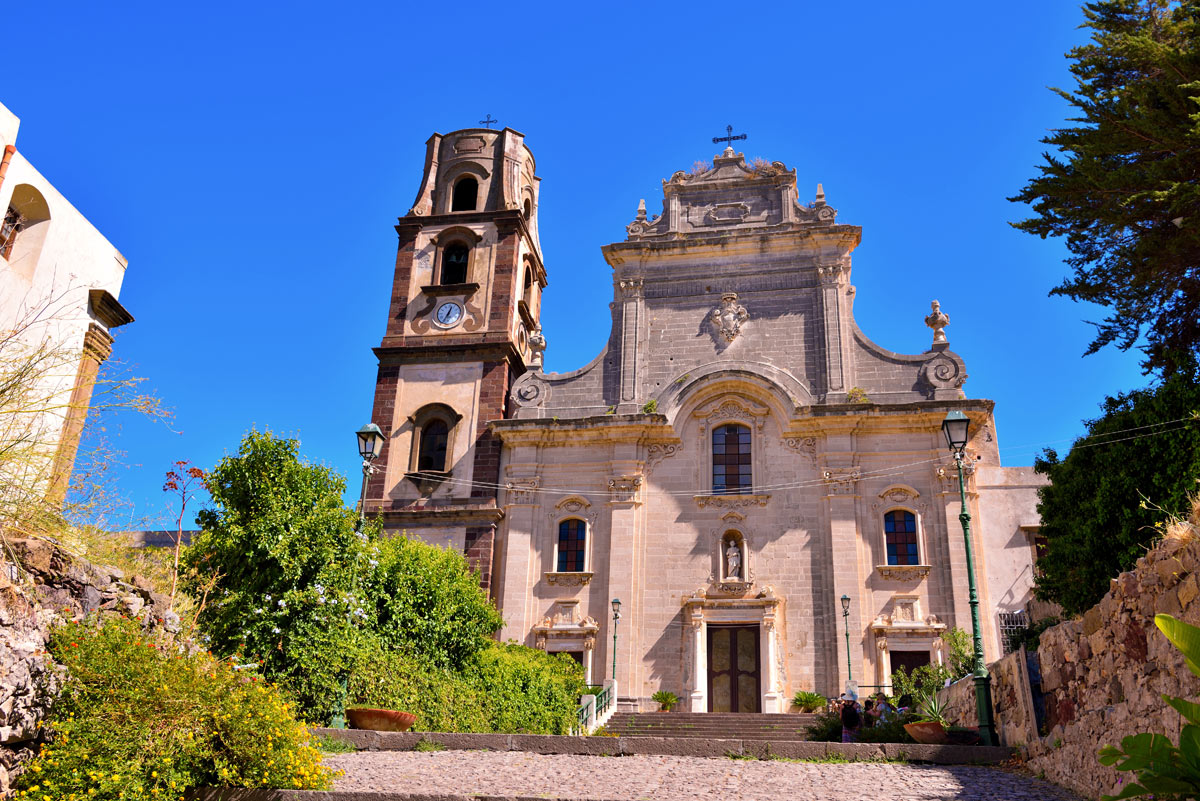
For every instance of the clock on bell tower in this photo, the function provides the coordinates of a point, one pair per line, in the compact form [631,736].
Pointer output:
[466,299]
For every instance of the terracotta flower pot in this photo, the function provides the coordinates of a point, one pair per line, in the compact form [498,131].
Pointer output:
[380,719]
[927,732]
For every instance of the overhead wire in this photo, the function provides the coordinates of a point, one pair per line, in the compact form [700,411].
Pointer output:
[890,470]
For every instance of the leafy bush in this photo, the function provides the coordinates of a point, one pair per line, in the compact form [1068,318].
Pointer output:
[890,732]
[665,699]
[505,688]
[808,701]
[405,624]
[282,563]
[1162,769]
[427,599]
[139,718]
[926,680]
[826,729]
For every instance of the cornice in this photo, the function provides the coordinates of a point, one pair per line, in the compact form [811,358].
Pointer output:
[601,429]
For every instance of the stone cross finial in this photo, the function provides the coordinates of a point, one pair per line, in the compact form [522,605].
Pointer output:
[937,320]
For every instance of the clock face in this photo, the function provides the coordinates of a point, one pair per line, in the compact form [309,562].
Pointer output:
[448,314]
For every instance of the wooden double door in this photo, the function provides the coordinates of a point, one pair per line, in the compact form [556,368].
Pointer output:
[733,669]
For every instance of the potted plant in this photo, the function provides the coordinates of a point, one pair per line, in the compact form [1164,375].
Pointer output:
[665,699]
[808,701]
[930,726]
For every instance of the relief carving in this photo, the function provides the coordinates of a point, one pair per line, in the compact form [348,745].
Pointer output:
[729,316]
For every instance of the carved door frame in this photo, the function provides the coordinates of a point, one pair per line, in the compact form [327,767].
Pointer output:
[737,632]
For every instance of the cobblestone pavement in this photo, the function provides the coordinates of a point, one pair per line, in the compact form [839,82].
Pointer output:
[670,778]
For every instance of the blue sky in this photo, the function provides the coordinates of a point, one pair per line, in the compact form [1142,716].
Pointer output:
[250,160]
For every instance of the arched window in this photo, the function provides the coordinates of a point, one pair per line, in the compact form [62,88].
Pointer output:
[572,545]
[455,259]
[526,290]
[466,195]
[731,460]
[900,533]
[528,210]
[431,451]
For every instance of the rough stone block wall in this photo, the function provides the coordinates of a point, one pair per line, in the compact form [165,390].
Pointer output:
[1012,701]
[1104,675]
[54,586]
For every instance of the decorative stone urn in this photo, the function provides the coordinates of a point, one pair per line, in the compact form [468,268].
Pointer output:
[380,719]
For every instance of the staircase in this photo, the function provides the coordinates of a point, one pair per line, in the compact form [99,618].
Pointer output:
[711,726]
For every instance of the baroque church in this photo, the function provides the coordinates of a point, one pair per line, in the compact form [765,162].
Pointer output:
[737,458]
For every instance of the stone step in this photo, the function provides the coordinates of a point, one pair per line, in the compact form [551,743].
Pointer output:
[716,726]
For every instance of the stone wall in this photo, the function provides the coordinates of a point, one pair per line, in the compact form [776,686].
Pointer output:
[50,586]
[1012,701]
[1104,675]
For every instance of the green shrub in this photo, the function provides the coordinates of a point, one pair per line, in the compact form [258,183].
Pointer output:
[665,699]
[826,729]
[427,599]
[139,718]
[527,690]
[442,699]
[808,701]
[890,732]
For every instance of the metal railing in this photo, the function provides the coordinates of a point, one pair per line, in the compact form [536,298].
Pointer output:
[595,710]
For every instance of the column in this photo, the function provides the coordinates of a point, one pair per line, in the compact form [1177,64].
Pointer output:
[625,492]
[698,699]
[958,593]
[773,701]
[522,564]
[841,498]
[97,347]
[830,274]
[631,306]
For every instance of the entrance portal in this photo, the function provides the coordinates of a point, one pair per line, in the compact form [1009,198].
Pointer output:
[733,670]
[909,660]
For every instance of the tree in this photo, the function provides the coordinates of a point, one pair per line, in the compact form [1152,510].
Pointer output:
[1108,499]
[1122,185]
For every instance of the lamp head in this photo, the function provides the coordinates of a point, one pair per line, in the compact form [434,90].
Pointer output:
[956,427]
[616,606]
[846,604]
[370,442]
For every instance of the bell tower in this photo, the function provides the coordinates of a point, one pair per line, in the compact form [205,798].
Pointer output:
[462,326]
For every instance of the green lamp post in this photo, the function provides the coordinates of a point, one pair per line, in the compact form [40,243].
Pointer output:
[955,427]
[616,607]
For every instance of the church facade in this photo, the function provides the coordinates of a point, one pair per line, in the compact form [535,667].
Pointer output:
[738,458]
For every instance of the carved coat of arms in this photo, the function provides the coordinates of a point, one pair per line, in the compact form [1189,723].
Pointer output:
[729,317]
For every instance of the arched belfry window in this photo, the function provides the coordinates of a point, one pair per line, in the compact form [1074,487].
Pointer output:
[455,260]
[432,441]
[466,195]
[572,545]
[431,451]
[731,460]
[900,534]
[13,222]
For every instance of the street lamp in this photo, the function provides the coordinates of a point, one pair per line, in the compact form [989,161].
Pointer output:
[616,607]
[370,445]
[956,427]
[846,620]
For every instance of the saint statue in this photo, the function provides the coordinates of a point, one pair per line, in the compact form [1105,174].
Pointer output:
[733,561]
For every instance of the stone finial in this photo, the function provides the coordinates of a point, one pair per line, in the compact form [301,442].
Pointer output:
[820,201]
[537,348]
[728,154]
[937,320]
[641,212]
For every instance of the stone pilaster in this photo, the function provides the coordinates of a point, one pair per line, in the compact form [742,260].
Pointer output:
[624,565]
[841,500]
[97,347]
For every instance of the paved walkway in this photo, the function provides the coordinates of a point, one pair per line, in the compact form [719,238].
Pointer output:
[668,778]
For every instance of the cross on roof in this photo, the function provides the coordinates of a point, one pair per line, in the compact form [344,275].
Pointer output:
[489,122]
[729,137]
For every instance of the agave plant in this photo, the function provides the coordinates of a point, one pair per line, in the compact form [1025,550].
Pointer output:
[1163,769]
[932,709]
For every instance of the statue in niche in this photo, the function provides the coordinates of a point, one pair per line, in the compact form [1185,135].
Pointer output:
[733,561]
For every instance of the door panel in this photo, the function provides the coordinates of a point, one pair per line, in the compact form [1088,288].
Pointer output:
[733,669]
